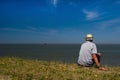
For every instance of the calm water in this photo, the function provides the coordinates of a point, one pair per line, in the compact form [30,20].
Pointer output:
[59,52]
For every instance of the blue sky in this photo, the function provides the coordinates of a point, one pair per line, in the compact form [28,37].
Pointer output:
[59,21]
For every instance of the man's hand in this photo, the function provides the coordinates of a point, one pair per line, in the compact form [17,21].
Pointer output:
[102,68]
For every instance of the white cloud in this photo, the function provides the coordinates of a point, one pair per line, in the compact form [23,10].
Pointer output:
[54,2]
[90,15]
[53,31]
[29,29]
[107,24]
[118,2]
[16,29]
[72,4]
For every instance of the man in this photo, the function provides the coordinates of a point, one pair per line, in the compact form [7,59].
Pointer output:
[88,54]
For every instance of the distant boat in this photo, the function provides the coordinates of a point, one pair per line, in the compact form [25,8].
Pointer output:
[45,44]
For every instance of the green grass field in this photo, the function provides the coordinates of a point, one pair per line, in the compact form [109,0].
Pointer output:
[12,68]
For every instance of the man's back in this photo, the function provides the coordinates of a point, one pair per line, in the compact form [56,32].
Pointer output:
[85,54]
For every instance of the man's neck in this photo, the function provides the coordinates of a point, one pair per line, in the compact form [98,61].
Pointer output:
[89,40]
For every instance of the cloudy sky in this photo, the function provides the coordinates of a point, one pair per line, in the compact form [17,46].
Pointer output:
[59,21]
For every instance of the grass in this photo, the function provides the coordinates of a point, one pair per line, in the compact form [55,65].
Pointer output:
[12,68]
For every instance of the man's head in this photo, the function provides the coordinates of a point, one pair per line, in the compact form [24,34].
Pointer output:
[89,37]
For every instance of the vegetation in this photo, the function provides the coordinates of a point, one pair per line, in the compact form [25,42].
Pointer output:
[12,68]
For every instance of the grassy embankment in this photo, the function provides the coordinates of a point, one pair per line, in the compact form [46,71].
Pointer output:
[25,69]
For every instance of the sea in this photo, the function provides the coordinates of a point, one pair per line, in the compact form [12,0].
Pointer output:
[67,53]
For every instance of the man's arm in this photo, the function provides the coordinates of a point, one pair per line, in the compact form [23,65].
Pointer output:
[98,63]
[96,60]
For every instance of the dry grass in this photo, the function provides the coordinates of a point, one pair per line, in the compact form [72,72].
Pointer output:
[25,69]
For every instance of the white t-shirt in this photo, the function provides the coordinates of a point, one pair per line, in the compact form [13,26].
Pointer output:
[85,54]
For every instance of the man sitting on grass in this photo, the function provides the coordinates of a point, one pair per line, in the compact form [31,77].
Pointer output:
[88,55]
